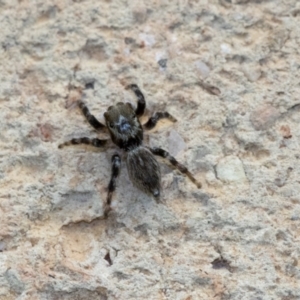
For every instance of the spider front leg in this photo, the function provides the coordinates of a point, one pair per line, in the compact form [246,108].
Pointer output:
[151,123]
[90,118]
[115,171]
[176,164]
[141,99]
[84,140]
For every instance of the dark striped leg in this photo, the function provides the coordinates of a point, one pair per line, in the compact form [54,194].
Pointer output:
[176,164]
[156,117]
[115,171]
[90,118]
[141,99]
[84,140]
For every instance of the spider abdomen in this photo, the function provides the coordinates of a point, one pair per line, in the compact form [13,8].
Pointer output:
[143,170]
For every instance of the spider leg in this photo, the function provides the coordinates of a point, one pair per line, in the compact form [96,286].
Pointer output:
[141,99]
[151,123]
[115,171]
[84,140]
[90,118]
[176,164]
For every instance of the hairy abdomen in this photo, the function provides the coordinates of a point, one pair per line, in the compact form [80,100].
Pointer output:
[143,170]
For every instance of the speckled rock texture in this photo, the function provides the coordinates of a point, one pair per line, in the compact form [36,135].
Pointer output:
[228,70]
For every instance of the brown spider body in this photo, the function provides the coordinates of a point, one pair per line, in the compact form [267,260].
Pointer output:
[126,132]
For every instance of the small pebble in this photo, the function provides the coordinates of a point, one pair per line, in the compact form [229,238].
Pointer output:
[203,68]
[230,169]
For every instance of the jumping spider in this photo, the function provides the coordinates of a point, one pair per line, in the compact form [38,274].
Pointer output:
[126,131]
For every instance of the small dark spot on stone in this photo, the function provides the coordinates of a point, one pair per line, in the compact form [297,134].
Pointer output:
[142,228]
[220,263]
[296,12]
[90,85]
[201,281]
[202,197]
[163,62]
[2,246]
[280,182]
[121,275]
[108,259]
[175,25]
[129,40]
[239,58]
[120,225]
[95,49]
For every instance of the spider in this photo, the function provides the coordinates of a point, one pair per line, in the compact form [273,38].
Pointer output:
[126,131]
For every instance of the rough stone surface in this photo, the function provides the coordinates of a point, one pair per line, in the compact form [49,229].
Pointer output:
[228,71]
[230,169]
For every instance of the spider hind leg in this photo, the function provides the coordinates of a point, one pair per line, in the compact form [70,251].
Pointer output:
[151,123]
[183,169]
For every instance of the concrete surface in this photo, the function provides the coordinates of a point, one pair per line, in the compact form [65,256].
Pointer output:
[228,70]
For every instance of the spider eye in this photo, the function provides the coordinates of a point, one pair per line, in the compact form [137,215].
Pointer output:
[111,125]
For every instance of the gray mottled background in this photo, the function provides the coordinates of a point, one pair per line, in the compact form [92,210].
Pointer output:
[228,70]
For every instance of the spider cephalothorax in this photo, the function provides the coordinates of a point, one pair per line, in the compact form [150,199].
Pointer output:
[126,132]
[124,126]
